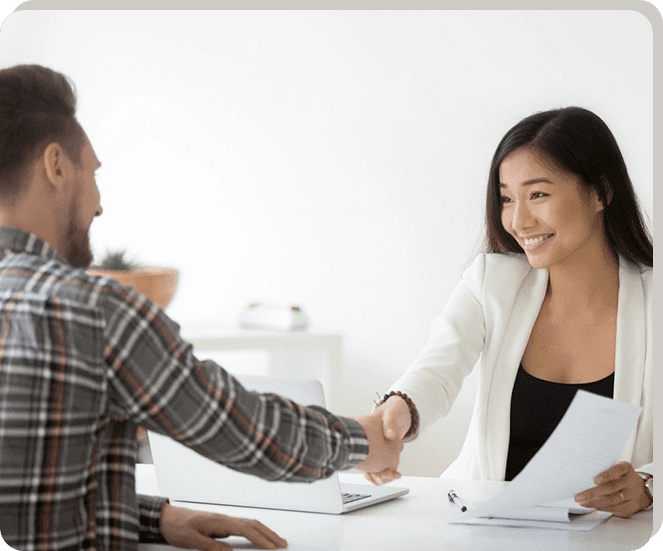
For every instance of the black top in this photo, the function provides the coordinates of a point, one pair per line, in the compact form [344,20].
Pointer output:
[537,406]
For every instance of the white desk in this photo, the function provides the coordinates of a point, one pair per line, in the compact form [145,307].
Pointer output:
[298,354]
[419,522]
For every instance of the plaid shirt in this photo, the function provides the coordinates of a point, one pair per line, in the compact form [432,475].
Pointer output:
[83,362]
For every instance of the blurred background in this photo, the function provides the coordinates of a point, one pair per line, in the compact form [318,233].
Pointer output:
[336,160]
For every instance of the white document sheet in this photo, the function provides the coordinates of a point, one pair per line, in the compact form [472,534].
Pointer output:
[588,440]
[580,523]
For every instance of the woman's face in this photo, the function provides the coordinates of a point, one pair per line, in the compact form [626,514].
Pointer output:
[548,211]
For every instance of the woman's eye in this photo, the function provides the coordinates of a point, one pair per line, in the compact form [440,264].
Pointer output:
[505,200]
[538,194]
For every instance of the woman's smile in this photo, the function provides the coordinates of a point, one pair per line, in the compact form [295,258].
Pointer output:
[531,243]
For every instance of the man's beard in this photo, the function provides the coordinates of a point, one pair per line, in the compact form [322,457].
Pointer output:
[77,239]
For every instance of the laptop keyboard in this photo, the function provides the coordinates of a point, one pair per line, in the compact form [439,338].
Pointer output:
[349,497]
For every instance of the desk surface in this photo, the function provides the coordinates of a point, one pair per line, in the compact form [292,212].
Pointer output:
[418,521]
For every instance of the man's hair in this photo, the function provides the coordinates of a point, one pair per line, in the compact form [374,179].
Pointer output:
[37,107]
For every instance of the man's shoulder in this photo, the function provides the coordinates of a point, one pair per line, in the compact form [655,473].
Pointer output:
[49,279]
[95,291]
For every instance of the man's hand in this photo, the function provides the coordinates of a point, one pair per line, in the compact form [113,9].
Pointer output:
[383,453]
[619,490]
[197,530]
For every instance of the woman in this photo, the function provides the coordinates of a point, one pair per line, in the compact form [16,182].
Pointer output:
[562,300]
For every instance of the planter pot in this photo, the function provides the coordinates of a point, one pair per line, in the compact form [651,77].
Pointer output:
[157,284]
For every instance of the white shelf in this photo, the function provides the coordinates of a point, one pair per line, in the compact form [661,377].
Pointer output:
[298,353]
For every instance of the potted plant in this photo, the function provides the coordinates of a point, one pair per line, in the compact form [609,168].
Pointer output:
[156,283]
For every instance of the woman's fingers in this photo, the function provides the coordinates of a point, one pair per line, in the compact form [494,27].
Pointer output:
[619,490]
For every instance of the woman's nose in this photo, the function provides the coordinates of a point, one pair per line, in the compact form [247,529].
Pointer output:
[522,218]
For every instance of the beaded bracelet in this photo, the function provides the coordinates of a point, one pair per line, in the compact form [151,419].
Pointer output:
[412,432]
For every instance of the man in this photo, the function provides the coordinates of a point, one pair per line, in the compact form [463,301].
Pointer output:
[84,361]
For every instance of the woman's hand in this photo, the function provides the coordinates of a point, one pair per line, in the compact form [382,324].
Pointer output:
[619,490]
[395,418]
[198,530]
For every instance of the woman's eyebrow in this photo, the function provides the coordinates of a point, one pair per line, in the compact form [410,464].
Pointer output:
[530,182]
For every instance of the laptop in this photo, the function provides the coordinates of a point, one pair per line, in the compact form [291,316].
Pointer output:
[185,476]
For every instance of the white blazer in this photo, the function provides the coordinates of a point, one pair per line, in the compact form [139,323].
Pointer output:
[487,322]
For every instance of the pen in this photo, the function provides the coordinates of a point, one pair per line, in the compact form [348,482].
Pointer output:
[456,501]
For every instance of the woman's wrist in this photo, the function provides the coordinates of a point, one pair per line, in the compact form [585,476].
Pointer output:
[413,431]
[648,480]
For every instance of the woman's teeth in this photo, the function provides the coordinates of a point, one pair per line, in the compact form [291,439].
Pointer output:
[535,240]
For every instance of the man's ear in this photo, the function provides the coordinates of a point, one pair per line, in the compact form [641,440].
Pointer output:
[56,164]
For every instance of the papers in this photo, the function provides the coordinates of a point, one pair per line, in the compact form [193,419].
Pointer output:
[561,515]
[583,523]
[561,511]
[588,440]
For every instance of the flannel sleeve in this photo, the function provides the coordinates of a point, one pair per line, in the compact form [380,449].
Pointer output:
[149,510]
[157,382]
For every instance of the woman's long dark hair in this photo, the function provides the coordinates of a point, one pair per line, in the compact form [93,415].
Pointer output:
[579,142]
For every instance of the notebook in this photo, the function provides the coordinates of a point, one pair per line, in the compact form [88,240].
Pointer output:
[185,476]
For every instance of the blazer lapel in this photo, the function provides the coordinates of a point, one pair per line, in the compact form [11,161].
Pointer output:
[514,340]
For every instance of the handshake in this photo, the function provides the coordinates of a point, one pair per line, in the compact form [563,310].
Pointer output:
[385,429]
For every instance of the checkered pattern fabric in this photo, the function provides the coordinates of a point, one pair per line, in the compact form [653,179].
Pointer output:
[83,362]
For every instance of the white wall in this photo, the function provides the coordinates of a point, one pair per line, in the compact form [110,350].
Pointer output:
[336,160]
